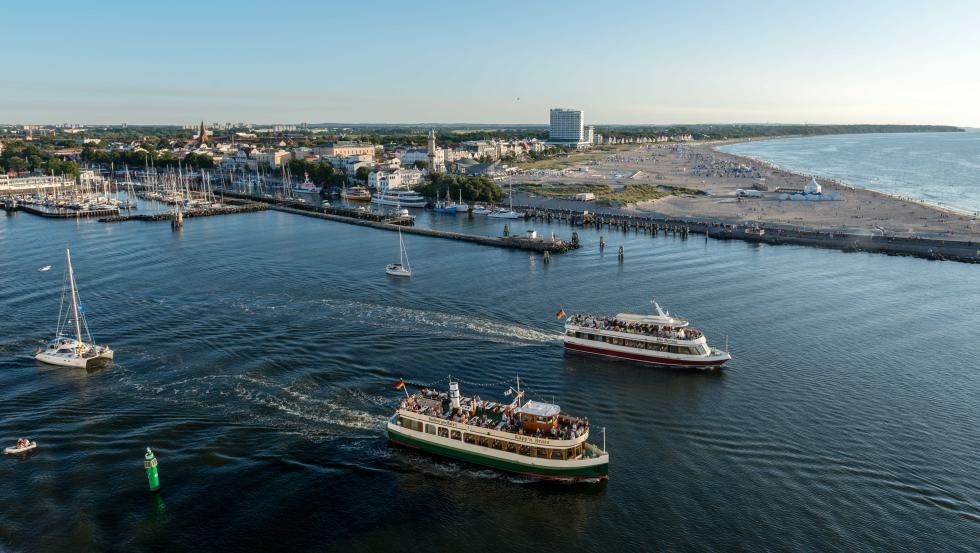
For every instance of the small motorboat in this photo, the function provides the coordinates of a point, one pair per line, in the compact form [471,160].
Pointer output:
[44,269]
[23,445]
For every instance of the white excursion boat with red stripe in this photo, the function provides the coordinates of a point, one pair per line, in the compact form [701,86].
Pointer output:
[658,339]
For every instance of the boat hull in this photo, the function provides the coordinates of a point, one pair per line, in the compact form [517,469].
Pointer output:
[381,200]
[364,199]
[75,362]
[649,359]
[599,470]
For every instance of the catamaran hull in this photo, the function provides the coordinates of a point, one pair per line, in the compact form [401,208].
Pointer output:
[588,470]
[75,362]
[690,363]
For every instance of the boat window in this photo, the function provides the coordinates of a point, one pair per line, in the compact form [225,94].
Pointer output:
[557,454]
[542,452]
[469,438]
[672,349]
[511,447]
[525,450]
[430,429]
[456,435]
[443,432]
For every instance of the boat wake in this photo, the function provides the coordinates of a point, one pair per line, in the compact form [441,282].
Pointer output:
[304,408]
[443,323]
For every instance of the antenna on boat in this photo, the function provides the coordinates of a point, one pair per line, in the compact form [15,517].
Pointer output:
[603,438]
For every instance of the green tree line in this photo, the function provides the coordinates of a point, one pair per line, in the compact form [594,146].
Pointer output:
[479,189]
[23,156]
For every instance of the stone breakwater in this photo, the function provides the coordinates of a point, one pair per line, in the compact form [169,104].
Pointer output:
[207,212]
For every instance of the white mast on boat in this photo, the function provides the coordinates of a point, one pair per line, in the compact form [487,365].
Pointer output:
[402,254]
[74,297]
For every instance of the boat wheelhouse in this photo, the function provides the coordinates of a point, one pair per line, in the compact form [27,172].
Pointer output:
[531,438]
[658,339]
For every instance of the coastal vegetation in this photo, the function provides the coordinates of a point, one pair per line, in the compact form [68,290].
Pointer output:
[475,189]
[607,195]
[322,173]
[22,156]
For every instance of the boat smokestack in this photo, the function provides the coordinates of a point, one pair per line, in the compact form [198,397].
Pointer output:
[454,394]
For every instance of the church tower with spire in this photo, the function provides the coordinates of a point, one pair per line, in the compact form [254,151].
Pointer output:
[202,136]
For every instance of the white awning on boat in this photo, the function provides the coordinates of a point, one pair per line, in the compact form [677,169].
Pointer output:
[539,409]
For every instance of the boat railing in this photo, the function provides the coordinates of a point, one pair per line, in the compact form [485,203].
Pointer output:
[594,451]
[633,335]
[500,434]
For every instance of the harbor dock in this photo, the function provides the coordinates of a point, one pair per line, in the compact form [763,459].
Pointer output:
[247,207]
[540,245]
[406,225]
[928,248]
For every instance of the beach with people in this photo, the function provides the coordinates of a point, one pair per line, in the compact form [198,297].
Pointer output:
[720,187]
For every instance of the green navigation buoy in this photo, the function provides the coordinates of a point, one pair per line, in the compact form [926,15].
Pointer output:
[152,475]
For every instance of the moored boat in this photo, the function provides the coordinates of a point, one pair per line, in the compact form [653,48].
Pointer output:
[402,197]
[658,339]
[356,194]
[526,437]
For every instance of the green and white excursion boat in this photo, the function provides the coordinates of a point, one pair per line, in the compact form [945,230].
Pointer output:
[531,438]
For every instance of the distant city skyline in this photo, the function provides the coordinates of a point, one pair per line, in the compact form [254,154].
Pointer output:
[506,63]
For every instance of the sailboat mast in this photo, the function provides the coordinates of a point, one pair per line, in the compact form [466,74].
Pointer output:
[74,296]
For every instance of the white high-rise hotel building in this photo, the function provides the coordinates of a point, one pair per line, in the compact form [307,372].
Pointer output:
[568,128]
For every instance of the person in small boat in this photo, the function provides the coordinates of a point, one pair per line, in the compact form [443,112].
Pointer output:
[22,443]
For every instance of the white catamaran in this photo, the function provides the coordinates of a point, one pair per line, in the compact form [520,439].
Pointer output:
[69,348]
[402,268]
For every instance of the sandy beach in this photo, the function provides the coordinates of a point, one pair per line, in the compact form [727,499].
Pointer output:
[718,175]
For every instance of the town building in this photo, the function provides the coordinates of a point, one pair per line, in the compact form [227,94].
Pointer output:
[344,149]
[567,128]
[401,178]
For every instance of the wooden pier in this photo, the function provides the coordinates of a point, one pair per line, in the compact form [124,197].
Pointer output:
[929,248]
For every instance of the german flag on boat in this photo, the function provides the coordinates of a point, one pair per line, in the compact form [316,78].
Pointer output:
[560,314]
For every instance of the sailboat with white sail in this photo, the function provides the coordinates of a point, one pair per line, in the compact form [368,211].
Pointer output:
[501,213]
[402,268]
[73,345]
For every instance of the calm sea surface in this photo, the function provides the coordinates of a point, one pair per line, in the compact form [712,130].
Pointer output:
[940,168]
[257,355]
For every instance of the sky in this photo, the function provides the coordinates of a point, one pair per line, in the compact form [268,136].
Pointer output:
[503,62]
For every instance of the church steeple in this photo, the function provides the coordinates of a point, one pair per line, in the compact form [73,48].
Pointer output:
[202,135]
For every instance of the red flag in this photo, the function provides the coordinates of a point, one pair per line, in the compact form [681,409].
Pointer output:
[400,384]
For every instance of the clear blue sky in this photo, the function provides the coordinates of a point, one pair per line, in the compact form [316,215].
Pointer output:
[419,61]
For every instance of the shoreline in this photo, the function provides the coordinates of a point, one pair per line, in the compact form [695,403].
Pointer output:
[952,210]
[716,177]
[964,251]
